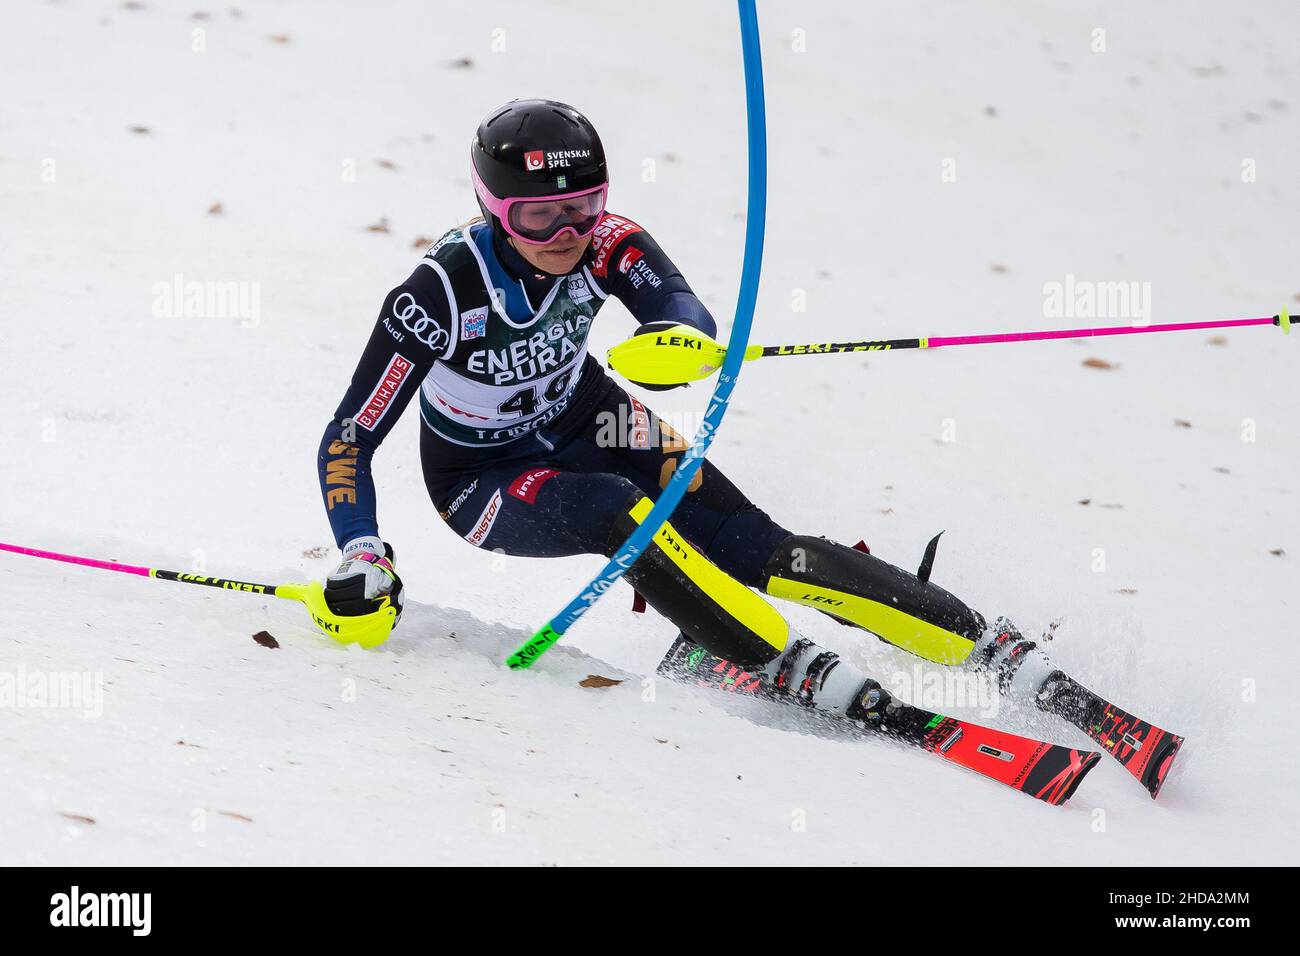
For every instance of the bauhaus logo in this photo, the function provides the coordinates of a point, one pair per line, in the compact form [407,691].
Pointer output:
[390,383]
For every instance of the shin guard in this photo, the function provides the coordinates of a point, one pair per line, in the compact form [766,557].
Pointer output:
[710,607]
[857,587]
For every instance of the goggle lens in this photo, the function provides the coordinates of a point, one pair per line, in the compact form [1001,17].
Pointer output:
[538,220]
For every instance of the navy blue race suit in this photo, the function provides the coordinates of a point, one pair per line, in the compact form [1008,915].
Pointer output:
[527,446]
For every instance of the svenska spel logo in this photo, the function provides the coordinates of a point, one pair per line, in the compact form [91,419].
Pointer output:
[534,159]
[629,259]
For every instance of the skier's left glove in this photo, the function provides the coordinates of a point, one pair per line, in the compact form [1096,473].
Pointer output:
[660,325]
[366,576]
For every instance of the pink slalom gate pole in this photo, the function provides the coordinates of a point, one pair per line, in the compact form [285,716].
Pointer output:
[76,559]
[278,590]
[1282,319]
[940,341]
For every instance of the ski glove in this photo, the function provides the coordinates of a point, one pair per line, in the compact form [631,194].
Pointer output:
[364,578]
[659,325]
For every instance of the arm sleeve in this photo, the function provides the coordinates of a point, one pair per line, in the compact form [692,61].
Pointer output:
[630,265]
[413,330]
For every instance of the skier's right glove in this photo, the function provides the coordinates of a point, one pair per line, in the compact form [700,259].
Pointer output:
[661,361]
[364,579]
[649,328]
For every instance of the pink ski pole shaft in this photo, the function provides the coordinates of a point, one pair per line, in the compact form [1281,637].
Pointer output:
[1282,319]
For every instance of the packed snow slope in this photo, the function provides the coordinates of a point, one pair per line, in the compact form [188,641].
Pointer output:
[933,167]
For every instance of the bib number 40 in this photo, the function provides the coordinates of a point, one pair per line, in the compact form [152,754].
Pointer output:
[526,401]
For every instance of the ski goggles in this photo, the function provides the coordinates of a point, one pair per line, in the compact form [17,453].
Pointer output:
[538,220]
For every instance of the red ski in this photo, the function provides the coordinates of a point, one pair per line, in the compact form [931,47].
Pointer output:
[1048,772]
[1145,750]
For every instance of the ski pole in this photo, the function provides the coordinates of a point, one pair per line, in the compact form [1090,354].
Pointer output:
[684,354]
[368,630]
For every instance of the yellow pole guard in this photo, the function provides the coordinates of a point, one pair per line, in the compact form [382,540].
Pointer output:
[675,355]
[368,630]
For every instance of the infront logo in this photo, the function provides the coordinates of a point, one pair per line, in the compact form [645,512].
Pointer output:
[526,486]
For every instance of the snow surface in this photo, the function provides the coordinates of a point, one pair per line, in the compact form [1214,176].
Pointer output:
[189,443]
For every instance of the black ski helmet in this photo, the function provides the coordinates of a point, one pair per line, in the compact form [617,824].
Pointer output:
[535,148]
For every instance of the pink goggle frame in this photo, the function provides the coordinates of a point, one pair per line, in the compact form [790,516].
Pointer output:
[506,209]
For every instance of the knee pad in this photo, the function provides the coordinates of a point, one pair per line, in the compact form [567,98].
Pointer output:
[710,607]
[853,586]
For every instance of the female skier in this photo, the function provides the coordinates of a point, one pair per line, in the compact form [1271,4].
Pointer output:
[528,447]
